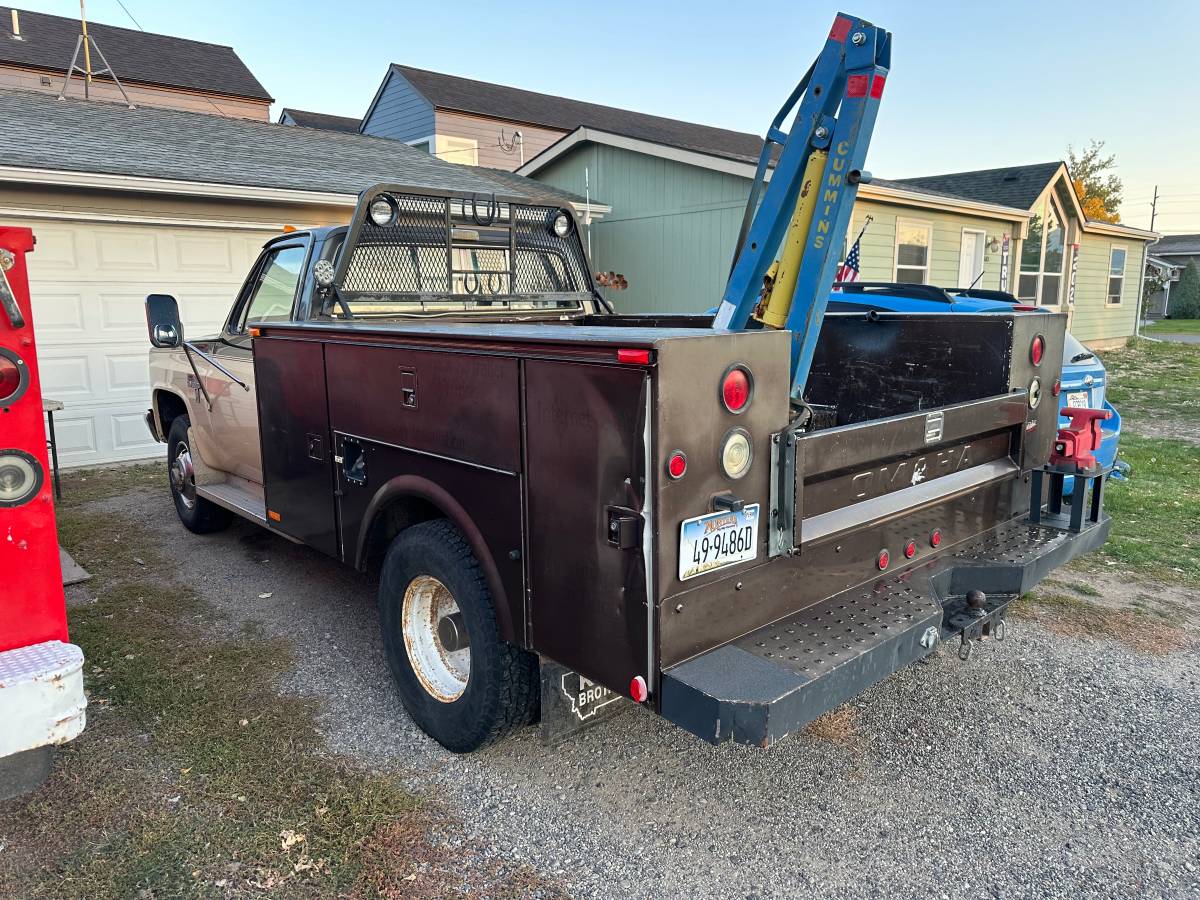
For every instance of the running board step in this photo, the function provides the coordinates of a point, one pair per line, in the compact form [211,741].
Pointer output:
[235,499]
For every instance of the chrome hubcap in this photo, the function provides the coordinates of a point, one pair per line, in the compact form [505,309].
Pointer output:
[435,639]
[183,478]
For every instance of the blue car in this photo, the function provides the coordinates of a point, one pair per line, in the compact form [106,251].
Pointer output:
[1083,377]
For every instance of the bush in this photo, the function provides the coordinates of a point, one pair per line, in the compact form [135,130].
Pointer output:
[1185,298]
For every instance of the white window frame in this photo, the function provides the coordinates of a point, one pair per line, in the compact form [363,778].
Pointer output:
[896,267]
[1051,202]
[1109,276]
[462,150]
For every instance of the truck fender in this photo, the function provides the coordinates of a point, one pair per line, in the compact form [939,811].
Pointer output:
[414,486]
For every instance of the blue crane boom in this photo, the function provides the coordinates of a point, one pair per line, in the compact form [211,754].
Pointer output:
[801,212]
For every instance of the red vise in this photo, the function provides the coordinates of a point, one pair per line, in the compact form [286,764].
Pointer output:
[1076,444]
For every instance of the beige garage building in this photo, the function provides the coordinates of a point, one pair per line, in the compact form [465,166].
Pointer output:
[128,202]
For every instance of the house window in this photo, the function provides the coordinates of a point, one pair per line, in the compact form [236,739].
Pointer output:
[1116,275]
[1043,254]
[464,151]
[423,146]
[912,251]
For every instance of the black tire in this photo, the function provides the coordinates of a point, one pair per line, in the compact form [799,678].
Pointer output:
[502,687]
[197,514]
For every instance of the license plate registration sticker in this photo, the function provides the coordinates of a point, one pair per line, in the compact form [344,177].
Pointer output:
[1077,399]
[717,540]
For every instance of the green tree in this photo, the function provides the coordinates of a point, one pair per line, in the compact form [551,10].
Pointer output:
[1185,297]
[1098,189]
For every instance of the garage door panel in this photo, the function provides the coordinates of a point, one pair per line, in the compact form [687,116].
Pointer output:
[90,281]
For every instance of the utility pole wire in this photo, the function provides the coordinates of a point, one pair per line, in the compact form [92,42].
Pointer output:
[1137,322]
[131,18]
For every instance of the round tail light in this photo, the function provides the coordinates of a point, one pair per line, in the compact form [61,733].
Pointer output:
[14,377]
[736,453]
[935,538]
[737,387]
[20,477]
[910,549]
[677,464]
[882,560]
[638,690]
[1037,350]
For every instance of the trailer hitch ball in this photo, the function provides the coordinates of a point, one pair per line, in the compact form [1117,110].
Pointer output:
[976,599]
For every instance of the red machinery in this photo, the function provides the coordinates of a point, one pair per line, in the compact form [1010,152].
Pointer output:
[1076,444]
[41,679]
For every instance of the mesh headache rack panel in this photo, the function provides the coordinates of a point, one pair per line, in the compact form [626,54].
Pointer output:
[457,252]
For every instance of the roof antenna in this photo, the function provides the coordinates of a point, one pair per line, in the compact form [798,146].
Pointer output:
[88,43]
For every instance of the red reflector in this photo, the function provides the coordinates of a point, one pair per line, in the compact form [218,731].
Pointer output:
[1057,389]
[735,389]
[935,538]
[677,464]
[841,28]
[910,549]
[877,86]
[10,378]
[856,85]
[638,690]
[634,357]
[1037,350]
[883,559]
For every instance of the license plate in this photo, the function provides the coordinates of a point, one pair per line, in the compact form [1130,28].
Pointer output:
[717,540]
[1077,399]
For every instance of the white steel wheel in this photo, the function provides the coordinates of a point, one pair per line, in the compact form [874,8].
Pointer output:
[435,639]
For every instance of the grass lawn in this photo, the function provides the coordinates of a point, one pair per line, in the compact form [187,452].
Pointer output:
[1173,326]
[195,776]
[1155,385]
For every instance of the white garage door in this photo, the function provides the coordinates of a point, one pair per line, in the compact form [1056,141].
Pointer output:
[89,281]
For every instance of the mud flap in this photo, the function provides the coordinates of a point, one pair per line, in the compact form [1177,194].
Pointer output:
[571,703]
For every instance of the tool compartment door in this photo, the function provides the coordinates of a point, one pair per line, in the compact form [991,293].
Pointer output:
[293,421]
[584,437]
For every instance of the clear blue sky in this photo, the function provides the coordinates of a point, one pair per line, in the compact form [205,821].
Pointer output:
[972,85]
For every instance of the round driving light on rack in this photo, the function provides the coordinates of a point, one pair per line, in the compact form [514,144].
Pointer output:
[1037,350]
[736,453]
[1035,393]
[677,465]
[737,388]
[20,477]
[383,210]
[14,377]
[561,226]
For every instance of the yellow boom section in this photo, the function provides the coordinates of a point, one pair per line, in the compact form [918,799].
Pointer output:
[779,285]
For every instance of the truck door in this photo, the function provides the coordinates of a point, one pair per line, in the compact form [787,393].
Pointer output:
[268,296]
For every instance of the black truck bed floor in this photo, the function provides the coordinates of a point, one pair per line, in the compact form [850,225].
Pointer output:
[773,681]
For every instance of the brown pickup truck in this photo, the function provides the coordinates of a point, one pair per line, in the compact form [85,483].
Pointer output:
[568,506]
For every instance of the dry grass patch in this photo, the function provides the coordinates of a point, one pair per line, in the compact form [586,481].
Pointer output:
[1138,628]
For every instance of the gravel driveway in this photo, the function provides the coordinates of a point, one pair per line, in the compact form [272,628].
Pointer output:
[1045,766]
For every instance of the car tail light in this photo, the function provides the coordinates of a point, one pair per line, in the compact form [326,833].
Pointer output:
[10,378]
[882,560]
[677,464]
[638,690]
[1037,350]
[910,549]
[1022,308]
[935,538]
[737,388]
[20,477]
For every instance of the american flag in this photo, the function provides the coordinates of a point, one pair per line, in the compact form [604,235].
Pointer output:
[848,271]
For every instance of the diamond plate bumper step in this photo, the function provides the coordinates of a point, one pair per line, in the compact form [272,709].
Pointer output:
[764,686]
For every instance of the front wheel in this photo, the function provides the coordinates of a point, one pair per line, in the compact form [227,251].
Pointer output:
[197,514]
[462,684]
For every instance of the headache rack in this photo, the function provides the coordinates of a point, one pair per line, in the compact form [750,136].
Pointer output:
[449,252]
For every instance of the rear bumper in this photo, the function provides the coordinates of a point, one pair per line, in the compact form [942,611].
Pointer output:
[772,682]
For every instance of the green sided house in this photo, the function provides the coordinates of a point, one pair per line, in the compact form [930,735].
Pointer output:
[676,207]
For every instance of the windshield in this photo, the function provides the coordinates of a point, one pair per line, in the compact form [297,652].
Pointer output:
[430,255]
[1075,352]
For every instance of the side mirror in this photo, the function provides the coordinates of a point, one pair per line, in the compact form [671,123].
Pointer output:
[162,321]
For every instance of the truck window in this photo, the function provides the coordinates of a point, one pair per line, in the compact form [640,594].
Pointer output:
[275,290]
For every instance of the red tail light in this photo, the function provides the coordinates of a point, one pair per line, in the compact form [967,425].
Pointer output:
[634,357]
[10,378]
[638,690]
[882,560]
[935,538]
[1057,389]
[677,464]
[737,387]
[910,549]
[1037,350]
[1020,308]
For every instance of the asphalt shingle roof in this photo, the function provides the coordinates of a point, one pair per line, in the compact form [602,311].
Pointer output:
[309,119]
[1187,244]
[136,56]
[500,101]
[1015,186]
[39,131]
